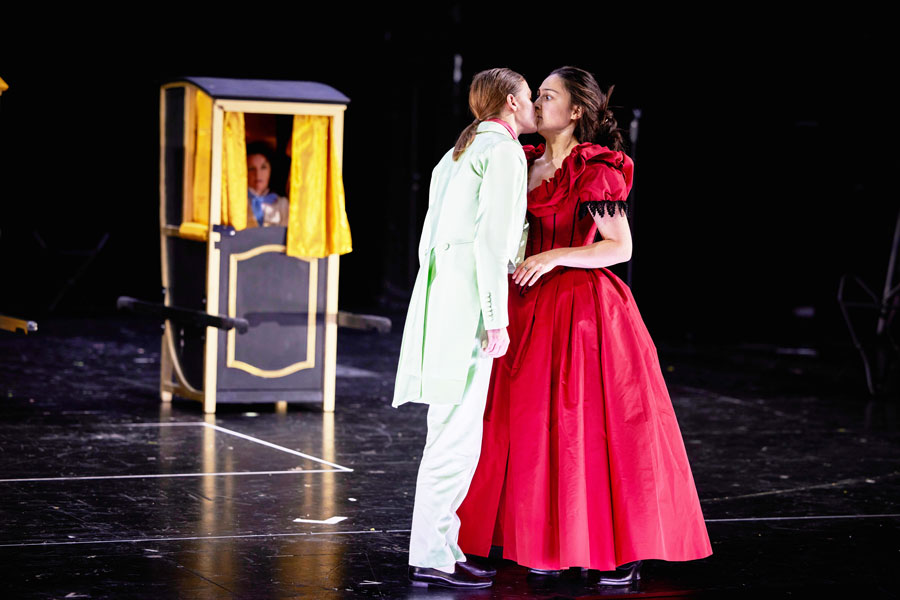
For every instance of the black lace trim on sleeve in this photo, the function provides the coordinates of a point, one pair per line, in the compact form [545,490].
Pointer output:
[604,207]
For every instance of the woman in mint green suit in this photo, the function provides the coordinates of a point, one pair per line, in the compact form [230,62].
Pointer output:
[457,318]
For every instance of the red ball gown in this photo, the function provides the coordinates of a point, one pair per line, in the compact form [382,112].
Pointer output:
[582,461]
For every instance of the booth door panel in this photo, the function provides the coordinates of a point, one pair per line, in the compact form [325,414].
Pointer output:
[283,299]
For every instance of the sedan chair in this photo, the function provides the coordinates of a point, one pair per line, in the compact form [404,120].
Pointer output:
[278,285]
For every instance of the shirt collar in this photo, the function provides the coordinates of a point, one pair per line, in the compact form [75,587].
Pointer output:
[489,126]
[506,126]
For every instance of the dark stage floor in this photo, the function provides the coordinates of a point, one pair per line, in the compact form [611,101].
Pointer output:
[106,493]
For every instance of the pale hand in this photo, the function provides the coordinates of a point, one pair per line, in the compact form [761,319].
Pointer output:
[497,342]
[534,266]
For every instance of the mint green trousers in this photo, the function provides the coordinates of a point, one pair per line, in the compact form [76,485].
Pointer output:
[452,448]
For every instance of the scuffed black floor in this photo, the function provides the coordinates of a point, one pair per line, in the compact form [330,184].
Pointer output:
[103,492]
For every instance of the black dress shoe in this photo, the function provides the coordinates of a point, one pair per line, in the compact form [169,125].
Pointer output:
[477,568]
[458,579]
[545,572]
[623,575]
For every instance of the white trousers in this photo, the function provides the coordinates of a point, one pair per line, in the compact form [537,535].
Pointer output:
[452,448]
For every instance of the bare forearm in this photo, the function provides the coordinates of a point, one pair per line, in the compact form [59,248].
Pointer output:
[600,254]
[614,248]
[604,253]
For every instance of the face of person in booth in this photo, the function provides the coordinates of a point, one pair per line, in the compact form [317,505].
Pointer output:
[258,173]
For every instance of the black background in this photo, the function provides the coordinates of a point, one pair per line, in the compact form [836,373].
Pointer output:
[765,164]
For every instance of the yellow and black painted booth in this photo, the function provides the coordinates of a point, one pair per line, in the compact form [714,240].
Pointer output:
[266,296]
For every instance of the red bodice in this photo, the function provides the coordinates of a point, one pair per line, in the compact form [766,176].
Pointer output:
[592,178]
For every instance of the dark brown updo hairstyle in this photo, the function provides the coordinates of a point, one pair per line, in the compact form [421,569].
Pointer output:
[487,97]
[597,123]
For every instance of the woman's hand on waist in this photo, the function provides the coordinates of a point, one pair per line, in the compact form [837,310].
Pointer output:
[536,265]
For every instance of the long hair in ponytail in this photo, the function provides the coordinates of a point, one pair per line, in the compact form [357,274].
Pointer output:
[487,97]
[597,123]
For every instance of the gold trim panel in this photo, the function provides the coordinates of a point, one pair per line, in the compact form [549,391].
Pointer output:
[274,107]
[310,361]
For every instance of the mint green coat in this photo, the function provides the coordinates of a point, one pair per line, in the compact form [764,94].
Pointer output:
[472,231]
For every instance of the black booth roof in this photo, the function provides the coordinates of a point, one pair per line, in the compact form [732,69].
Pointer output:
[268,89]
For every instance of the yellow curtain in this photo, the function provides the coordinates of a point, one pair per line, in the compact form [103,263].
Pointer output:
[234,172]
[234,169]
[317,225]
[202,154]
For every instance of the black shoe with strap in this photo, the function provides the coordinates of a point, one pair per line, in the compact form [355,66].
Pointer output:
[458,579]
[626,574]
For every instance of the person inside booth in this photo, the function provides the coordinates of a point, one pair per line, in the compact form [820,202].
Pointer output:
[264,207]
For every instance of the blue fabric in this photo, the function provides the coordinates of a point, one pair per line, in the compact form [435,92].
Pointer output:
[256,203]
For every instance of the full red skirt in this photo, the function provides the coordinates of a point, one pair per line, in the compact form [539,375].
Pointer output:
[582,460]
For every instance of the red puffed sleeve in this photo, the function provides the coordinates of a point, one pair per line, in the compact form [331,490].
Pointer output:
[603,185]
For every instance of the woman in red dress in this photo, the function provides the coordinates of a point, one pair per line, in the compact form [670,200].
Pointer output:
[582,461]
